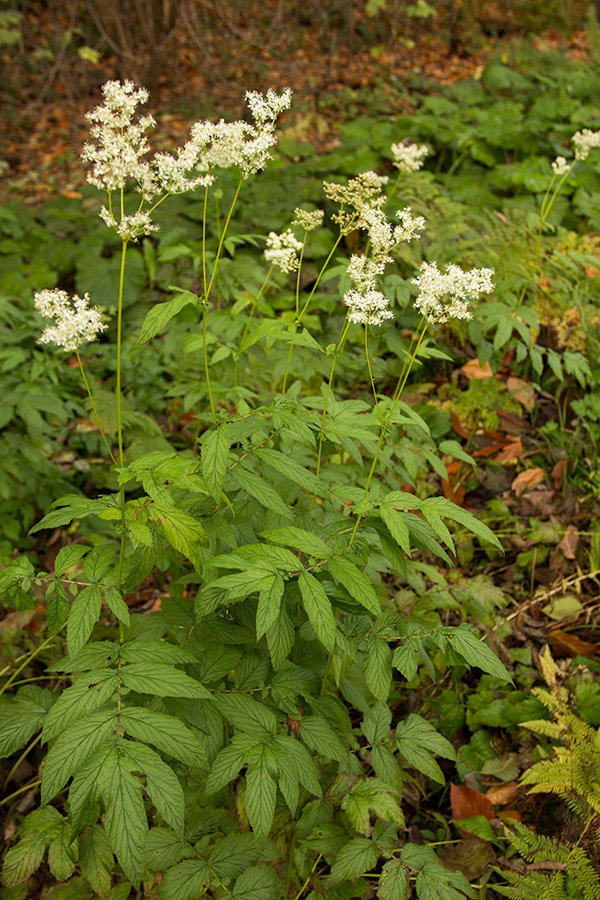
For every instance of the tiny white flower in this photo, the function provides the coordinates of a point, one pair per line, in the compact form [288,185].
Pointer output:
[409,157]
[368,308]
[76,321]
[560,166]
[308,219]
[282,250]
[584,141]
[447,295]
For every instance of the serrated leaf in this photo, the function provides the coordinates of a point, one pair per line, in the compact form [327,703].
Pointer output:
[378,667]
[356,858]
[280,637]
[393,884]
[475,652]
[444,507]
[140,651]
[434,882]
[262,491]
[228,762]
[162,681]
[22,717]
[306,769]
[357,585]
[38,830]
[261,790]
[215,459]
[417,741]
[114,599]
[164,849]
[232,855]
[183,532]
[166,733]
[82,698]
[185,881]
[269,604]
[85,612]
[246,713]
[73,747]
[318,734]
[96,859]
[371,794]
[159,315]
[396,526]
[258,883]
[72,507]
[299,539]
[68,557]
[125,815]
[162,785]
[318,608]
[376,723]
[62,855]
[406,659]
[287,466]
[57,607]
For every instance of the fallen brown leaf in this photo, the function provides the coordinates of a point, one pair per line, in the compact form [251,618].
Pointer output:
[565,644]
[510,452]
[472,369]
[522,391]
[558,474]
[467,802]
[527,479]
[502,794]
[568,544]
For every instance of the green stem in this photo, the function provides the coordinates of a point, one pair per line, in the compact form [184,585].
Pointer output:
[28,659]
[21,790]
[329,385]
[396,397]
[120,424]
[308,877]
[206,368]
[25,752]
[371,373]
[87,387]
[247,326]
[204,239]
[222,239]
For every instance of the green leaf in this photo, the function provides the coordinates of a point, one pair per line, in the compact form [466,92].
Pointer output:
[356,858]
[159,315]
[287,466]
[183,532]
[318,608]
[246,713]
[140,651]
[21,717]
[465,641]
[269,604]
[393,884]
[299,539]
[114,599]
[125,815]
[58,607]
[85,613]
[261,490]
[376,723]
[229,762]
[261,790]
[444,507]
[319,735]
[417,740]
[162,681]
[96,859]
[215,459]
[305,766]
[280,637]
[434,882]
[42,828]
[164,849]
[166,733]
[396,526]
[232,855]
[68,557]
[82,698]
[72,507]
[185,881]
[378,667]
[359,588]
[258,883]
[73,747]
[371,794]
[162,785]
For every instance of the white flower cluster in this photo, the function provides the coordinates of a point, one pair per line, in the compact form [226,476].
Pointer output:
[447,295]
[120,145]
[360,193]
[76,321]
[560,166]
[367,308]
[384,235]
[409,157]
[282,250]
[309,220]
[584,141]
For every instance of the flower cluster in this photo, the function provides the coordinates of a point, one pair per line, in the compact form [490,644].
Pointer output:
[76,321]
[120,145]
[309,220]
[367,308]
[447,295]
[282,250]
[360,194]
[584,141]
[560,166]
[384,236]
[409,157]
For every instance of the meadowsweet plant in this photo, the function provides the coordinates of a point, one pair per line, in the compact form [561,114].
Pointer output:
[239,741]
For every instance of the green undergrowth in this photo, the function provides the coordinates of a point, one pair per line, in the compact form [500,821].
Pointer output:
[269,679]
